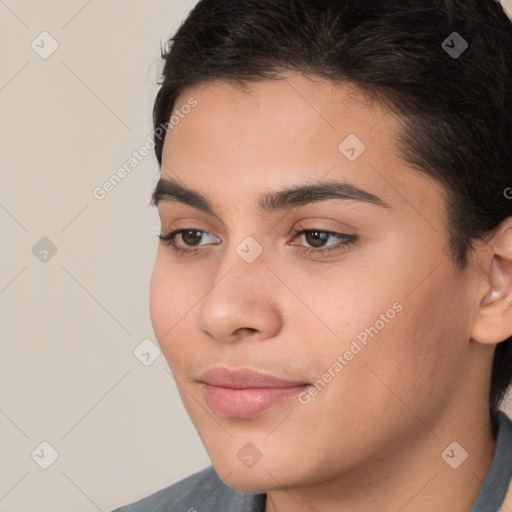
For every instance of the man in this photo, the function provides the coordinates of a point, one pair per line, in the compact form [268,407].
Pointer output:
[333,286]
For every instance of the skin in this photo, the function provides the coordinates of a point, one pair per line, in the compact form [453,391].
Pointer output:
[373,437]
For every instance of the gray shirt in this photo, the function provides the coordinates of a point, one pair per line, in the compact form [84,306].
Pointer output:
[204,491]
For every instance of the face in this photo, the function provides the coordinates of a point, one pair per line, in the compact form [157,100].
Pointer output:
[346,295]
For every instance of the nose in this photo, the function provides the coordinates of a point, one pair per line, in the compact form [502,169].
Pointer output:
[242,301]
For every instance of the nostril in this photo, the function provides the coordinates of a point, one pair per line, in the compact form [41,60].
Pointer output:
[250,329]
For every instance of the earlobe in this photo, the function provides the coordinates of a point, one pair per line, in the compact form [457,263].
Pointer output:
[494,318]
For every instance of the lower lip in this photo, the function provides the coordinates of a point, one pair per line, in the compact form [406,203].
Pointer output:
[246,403]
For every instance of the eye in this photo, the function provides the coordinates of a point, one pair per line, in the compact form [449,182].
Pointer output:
[318,237]
[189,236]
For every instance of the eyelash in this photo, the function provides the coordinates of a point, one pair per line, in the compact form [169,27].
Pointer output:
[347,240]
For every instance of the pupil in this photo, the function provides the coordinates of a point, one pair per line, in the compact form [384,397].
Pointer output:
[190,241]
[318,236]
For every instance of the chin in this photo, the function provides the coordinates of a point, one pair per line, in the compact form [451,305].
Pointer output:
[251,480]
[266,474]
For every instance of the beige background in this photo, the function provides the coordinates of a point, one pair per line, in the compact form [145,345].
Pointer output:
[70,321]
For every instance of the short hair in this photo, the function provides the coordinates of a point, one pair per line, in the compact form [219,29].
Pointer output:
[456,107]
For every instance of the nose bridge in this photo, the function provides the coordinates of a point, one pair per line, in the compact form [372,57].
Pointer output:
[243,267]
[240,297]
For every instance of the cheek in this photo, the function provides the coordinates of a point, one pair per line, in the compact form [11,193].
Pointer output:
[357,301]
[394,317]
[419,357]
[158,297]
[170,301]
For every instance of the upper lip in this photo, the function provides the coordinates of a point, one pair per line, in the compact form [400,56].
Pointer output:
[245,378]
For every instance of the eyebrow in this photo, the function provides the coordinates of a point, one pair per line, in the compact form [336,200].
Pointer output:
[171,191]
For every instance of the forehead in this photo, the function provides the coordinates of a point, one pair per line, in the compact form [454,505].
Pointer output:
[237,142]
[298,107]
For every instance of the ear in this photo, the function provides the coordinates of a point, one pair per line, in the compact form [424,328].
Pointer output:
[493,323]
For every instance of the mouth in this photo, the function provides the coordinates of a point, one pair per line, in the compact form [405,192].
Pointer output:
[244,393]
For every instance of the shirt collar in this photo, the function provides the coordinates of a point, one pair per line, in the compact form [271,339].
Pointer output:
[497,481]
